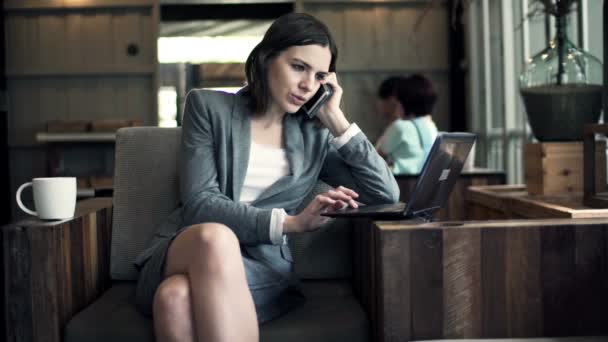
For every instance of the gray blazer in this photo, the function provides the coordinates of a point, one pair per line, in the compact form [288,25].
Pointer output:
[216,139]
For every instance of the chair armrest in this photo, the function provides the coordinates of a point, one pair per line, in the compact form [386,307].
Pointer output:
[52,270]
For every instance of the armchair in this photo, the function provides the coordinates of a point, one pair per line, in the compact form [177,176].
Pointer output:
[74,280]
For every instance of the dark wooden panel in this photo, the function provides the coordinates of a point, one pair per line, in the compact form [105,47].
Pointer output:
[493,283]
[77,265]
[52,270]
[426,283]
[17,270]
[497,279]
[394,287]
[479,212]
[558,280]
[364,280]
[5,193]
[462,283]
[64,272]
[524,295]
[591,280]
[44,281]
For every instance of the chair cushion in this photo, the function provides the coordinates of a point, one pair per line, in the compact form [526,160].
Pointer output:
[330,313]
[145,191]
[113,317]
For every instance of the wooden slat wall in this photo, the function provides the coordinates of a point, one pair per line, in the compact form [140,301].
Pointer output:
[67,60]
[73,98]
[73,64]
[58,4]
[376,40]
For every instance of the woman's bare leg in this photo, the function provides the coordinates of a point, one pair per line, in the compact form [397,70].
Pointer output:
[209,255]
[173,310]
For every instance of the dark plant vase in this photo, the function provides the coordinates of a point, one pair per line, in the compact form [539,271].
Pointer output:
[562,89]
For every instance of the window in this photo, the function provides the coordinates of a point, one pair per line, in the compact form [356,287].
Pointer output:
[499,42]
[202,54]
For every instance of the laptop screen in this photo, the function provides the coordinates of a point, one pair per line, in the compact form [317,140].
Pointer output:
[440,172]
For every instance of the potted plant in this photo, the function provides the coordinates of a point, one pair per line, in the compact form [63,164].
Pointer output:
[561,86]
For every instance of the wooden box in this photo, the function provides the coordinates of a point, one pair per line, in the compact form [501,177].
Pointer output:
[556,168]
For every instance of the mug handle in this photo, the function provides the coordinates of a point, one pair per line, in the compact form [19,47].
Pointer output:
[21,205]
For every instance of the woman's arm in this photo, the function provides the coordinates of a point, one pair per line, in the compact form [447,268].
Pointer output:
[357,165]
[200,193]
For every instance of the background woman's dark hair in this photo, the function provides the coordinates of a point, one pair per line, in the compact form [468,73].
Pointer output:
[417,95]
[387,87]
[293,29]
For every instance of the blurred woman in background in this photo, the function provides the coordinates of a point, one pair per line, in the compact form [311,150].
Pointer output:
[407,140]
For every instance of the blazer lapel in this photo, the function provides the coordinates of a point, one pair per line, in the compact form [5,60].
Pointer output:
[294,150]
[241,143]
[294,144]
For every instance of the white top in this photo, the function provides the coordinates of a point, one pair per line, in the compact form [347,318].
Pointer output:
[267,165]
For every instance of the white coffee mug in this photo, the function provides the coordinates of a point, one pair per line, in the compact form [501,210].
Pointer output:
[54,197]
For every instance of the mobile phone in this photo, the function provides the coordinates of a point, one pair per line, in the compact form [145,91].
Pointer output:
[311,107]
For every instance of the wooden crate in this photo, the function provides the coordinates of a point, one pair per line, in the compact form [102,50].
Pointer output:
[557,167]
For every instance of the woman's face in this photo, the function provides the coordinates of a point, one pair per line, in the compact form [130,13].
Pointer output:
[295,75]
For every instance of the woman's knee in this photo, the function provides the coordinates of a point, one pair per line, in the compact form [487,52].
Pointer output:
[215,238]
[206,246]
[216,244]
[172,297]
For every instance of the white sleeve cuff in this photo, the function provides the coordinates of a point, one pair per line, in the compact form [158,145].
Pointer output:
[341,140]
[276,226]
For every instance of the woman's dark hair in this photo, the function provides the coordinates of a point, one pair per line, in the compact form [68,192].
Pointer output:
[293,29]
[416,94]
[387,87]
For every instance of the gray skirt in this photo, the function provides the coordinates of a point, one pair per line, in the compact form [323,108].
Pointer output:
[273,294]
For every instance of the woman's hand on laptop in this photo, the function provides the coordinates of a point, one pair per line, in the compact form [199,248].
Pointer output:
[310,218]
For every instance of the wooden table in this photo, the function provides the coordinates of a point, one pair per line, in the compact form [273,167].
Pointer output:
[455,209]
[38,306]
[514,202]
[517,278]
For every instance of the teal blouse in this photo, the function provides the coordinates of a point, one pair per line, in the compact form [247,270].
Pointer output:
[407,143]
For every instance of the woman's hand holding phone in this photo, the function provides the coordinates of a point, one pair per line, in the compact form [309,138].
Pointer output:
[330,113]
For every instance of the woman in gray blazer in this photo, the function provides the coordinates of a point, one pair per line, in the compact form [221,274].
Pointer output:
[247,160]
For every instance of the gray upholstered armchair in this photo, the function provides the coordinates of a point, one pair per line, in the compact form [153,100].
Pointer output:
[92,277]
